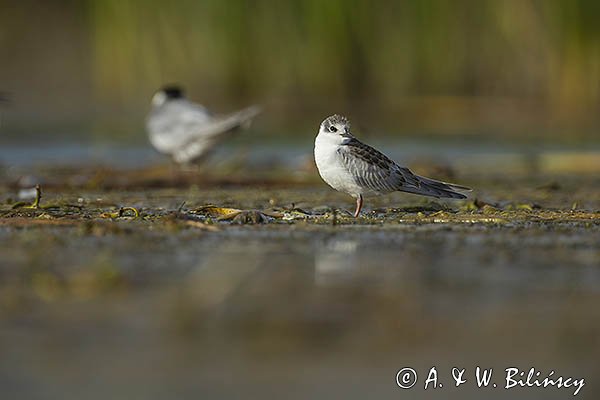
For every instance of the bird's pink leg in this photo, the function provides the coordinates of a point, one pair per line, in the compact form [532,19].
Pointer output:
[359,204]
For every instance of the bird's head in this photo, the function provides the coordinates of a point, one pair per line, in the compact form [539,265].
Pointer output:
[336,126]
[166,93]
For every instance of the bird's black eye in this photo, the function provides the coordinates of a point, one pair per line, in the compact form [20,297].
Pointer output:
[332,129]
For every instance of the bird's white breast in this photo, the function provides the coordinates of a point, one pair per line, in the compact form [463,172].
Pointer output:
[331,167]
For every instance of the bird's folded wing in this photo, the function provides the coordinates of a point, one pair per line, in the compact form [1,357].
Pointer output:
[202,138]
[373,170]
[221,124]
[370,168]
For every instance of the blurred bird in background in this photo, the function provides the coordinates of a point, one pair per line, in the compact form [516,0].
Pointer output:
[187,131]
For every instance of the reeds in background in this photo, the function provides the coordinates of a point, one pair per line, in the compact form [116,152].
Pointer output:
[449,66]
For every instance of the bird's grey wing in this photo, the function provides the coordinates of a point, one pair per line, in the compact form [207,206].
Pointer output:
[373,170]
[370,168]
[206,136]
[226,123]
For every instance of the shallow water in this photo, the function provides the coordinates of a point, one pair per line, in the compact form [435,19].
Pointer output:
[462,155]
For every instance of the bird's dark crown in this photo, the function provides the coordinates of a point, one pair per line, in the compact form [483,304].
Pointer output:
[336,119]
[173,92]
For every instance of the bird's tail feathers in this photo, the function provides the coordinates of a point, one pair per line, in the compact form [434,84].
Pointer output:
[242,118]
[221,125]
[246,115]
[439,189]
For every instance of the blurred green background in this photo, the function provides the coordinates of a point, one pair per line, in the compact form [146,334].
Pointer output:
[525,69]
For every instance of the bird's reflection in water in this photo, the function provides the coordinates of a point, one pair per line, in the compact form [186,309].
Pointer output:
[337,261]
[219,275]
